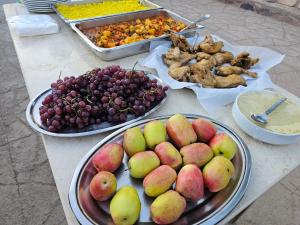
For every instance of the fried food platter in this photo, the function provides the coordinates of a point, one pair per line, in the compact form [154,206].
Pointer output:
[207,63]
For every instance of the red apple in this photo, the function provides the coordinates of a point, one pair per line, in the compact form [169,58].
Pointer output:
[103,186]
[109,157]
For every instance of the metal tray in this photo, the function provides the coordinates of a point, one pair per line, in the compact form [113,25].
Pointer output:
[211,209]
[68,21]
[33,118]
[133,48]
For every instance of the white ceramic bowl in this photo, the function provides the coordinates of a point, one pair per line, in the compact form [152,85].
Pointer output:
[258,132]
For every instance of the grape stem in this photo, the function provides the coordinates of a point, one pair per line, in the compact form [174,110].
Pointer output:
[123,110]
[59,75]
[110,101]
[87,98]
[134,66]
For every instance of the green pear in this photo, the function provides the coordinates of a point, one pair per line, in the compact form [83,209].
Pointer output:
[217,173]
[155,133]
[143,163]
[134,141]
[125,206]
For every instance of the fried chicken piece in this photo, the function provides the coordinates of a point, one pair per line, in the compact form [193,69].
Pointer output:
[228,70]
[206,59]
[202,55]
[244,60]
[171,57]
[209,46]
[230,81]
[173,53]
[167,61]
[223,57]
[209,63]
[202,75]
[180,42]
[184,59]
[180,73]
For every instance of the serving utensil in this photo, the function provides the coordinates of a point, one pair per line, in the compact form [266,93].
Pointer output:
[193,24]
[263,117]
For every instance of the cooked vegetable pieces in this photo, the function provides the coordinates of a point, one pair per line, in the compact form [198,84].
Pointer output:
[112,35]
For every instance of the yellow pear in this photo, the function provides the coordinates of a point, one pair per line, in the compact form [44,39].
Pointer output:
[217,173]
[134,141]
[143,163]
[159,180]
[155,133]
[167,208]
[125,206]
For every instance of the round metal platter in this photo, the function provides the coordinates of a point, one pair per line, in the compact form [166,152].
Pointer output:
[211,209]
[33,118]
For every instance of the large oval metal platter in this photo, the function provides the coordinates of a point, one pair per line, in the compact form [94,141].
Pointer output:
[33,118]
[211,209]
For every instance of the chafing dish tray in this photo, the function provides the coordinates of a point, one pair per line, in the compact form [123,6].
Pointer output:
[121,51]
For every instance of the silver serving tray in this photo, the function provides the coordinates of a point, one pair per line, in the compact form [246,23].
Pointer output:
[211,209]
[68,21]
[117,52]
[33,118]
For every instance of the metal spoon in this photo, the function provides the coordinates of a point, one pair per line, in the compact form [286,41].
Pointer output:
[205,17]
[263,117]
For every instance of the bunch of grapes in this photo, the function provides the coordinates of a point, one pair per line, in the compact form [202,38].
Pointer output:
[100,95]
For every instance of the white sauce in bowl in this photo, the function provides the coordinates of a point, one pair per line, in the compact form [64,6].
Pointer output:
[285,119]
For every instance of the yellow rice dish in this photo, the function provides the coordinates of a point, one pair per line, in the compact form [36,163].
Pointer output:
[89,10]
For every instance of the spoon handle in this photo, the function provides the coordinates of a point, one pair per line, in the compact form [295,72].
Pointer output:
[202,18]
[275,105]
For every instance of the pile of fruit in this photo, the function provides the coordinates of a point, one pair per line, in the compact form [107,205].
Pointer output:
[191,155]
[100,95]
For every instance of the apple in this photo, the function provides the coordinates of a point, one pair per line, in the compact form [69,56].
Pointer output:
[222,144]
[103,186]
